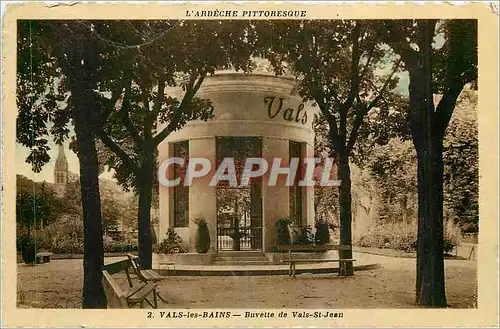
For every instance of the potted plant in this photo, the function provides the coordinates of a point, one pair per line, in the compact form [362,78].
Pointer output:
[322,235]
[28,251]
[202,239]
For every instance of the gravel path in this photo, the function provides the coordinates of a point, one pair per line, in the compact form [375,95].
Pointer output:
[58,284]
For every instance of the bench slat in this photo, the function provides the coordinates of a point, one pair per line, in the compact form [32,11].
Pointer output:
[151,275]
[132,290]
[142,293]
[132,295]
[114,295]
[117,267]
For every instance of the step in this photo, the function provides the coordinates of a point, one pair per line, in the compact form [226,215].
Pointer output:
[240,254]
[234,258]
[241,263]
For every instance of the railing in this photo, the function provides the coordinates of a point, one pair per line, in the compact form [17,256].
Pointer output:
[242,239]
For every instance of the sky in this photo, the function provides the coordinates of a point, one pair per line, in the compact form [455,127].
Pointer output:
[47,173]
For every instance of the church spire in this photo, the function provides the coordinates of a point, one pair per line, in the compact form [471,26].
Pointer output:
[61,161]
[61,171]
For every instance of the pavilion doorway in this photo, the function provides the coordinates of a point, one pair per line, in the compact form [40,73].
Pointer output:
[239,209]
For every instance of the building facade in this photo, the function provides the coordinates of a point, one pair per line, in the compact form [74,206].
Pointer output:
[254,116]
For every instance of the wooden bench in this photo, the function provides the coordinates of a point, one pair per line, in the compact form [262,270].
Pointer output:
[146,276]
[136,293]
[314,248]
[43,257]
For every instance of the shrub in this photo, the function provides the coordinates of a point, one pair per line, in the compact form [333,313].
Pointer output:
[402,236]
[398,236]
[322,235]
[172,241]
[117,246]
[452,236]
[302,235]
[68,246]
[64,236]
[448,246]
[283,231]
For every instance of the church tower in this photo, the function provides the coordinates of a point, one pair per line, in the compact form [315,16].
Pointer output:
[61,172]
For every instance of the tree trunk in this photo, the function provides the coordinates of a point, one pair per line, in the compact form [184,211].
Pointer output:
[93,257]
[77,53]
[430,288]
[344,174]
[428,141]
[145,188]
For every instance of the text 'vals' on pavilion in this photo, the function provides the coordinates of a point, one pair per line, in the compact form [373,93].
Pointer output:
[255,115]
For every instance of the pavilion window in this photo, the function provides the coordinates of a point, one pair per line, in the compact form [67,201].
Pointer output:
[296,191]
[181,192]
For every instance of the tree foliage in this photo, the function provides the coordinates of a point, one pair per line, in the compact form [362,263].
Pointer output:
[392,175]
[393,167]
[132,64]
[32,210]
[140,113]
[157,83]
[461,165]
[431,69]
[38,92]
[74,54]
[336,63]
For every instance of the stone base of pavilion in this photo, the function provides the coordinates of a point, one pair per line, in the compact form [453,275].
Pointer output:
[247,270]
[189,265]
[247,257]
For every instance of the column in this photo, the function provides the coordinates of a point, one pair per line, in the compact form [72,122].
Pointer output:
[275,198]
[202,197]
[165,150]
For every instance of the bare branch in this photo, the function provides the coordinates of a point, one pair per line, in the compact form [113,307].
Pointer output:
[336,99]
[159,97]
[446,105]
[145,101]
[110,104]
[191,90]
[355,78]
[401,47]
[125,115]
[153,114]
[368,60]
[325,110]
[380,92]
[364,108]
[115,148]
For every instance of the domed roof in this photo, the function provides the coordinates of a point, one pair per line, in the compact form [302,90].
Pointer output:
[61,161]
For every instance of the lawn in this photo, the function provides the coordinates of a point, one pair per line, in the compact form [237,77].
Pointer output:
[59,284]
